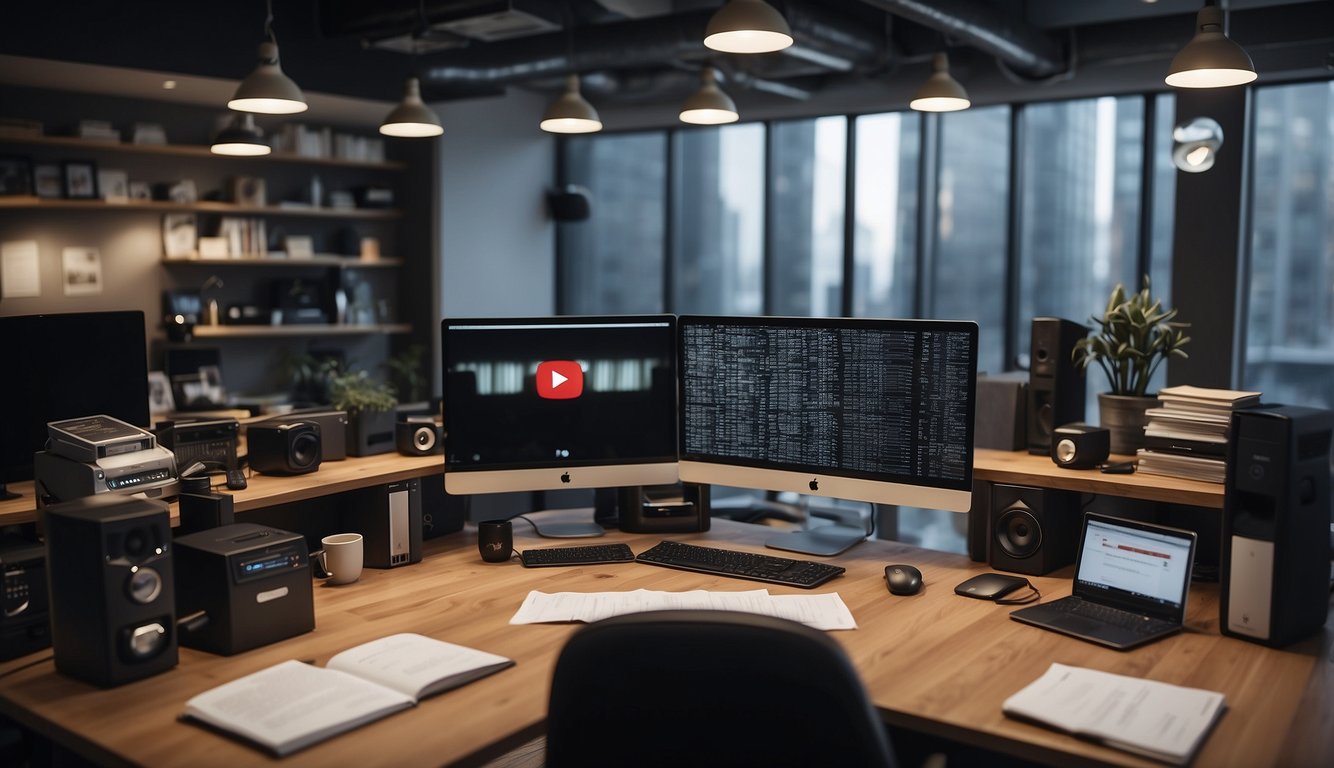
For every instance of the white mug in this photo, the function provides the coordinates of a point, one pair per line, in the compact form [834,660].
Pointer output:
[341,557]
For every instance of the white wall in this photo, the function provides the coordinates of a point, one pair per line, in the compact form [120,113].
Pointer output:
[497,243]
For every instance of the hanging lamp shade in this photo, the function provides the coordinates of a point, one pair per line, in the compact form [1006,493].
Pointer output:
[747,26]
[267,90]
[941,92]
[1211,59]
[241,138]
[571,113]
[709,105]
[411,118]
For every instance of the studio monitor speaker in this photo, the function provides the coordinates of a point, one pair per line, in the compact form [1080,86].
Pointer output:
[1002,412]
[1055,386]
[290,448]
[1275,560]
[113,616]
[1031,530]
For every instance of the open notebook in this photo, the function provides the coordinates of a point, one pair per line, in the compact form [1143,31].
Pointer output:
[1131,582]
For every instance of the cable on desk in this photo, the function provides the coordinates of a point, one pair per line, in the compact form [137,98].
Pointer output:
[1033,597]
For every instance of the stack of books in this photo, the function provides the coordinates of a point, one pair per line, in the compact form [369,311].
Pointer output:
[1187,435]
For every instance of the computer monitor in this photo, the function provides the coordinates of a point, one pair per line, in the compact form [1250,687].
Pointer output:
[862,409]
[65,366]
[549,403]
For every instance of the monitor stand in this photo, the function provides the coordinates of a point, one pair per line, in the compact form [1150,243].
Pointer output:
[825,541]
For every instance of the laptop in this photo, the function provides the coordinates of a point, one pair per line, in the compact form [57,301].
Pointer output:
[1131,582]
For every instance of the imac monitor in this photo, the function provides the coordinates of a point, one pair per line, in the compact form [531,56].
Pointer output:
[66,366]
[861,409]
[559,402]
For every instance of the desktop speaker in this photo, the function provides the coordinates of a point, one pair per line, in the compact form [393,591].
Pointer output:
[113,616]
[418,436]
[1080,446]
[1002,412]
[1275,557]
[1031,530]
[333,431]
[291,448]
[1055,385]
[389,518]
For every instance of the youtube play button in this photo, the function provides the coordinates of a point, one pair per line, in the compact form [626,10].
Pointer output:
[559,380]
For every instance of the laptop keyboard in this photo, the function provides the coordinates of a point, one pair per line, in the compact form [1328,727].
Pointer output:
[1133,622]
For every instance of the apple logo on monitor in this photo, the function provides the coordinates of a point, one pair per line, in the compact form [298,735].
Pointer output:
[565,478]
[815,484]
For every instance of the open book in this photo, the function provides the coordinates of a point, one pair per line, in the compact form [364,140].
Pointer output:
[1158,720]
[292,705]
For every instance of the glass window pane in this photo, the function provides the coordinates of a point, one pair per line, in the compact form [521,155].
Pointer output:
[807,183]
[1290,322]
[1163,215]
[612,262]
[971,222]
[885,233]
[718,220]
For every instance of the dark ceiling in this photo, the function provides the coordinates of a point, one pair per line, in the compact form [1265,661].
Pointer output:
[633,51]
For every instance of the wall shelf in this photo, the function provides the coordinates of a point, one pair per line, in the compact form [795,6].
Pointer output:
[276,331]
[319,260]
[203,206]
[190,150]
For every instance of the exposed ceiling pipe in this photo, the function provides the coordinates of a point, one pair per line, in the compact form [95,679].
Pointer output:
[980,25]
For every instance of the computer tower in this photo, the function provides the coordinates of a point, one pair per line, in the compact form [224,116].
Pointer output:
[1276,516]
[389,517]
[1056,389]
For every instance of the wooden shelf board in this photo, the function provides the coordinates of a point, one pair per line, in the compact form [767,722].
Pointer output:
[203,206]
[318,260]
[191,150]
[273,331]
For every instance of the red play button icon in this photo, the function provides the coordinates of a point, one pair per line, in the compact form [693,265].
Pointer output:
[559,380]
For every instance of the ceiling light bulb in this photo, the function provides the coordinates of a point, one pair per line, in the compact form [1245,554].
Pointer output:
[1197,156]
[1210,59]
[1195,144]
[267,90]
[411,118]
[242,138]
[709,105]
[941,92]
[571,113]
[747,26]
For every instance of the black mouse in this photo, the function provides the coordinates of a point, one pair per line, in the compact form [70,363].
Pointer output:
[903,579]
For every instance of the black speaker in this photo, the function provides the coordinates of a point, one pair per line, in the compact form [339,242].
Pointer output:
[333,431]
[1032,530]
[291,448]
[113,615]
[1002,412]
[979,521]
[1055,385]
[202,511]
[569,203]
[1080,446]
[1276,518]
[418,436]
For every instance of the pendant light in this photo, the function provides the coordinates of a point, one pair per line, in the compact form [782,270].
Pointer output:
[241,138]
[411,118]
[941,92]
[747,26]
[571,113]
[267,90]
[1211,59]
[709,105]
[1195,144]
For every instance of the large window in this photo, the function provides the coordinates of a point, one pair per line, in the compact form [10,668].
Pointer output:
[613,261]
[718,220]
[807,175]
[884,237]
[1290,324]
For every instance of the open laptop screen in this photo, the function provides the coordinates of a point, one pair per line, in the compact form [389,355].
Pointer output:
[1138,566]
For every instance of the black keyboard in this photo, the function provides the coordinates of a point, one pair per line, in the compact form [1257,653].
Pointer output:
[1114,616]
[589,555]
[742,565]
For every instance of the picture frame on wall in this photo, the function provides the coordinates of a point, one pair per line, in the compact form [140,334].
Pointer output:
[47,181]
[15,175]
[114,185]
[80,179]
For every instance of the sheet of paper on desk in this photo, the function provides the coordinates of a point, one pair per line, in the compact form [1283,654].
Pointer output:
[824,611]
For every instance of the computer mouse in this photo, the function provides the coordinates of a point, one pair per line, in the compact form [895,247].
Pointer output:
[903,579]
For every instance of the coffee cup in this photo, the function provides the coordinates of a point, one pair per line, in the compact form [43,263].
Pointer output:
[495,540]
[340,559]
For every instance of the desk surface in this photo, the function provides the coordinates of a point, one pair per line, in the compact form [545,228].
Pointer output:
[935,662]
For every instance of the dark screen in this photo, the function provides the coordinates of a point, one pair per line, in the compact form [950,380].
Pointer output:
[508,386]
[875,399]
[63,367]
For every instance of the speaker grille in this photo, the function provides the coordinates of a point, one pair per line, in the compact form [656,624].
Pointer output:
[1018,532]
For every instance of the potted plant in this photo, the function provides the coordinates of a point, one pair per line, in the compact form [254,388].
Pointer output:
[1133,337]
[407,373]
[370,411]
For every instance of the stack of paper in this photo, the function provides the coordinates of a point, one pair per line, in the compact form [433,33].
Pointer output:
[821,611]
[1187,435]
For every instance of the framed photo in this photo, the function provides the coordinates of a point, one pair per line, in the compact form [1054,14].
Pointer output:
[80,180]
[160,398]
[46,181]
[114,185]
[248,190]
[15,175]
[83,271]
[179,233]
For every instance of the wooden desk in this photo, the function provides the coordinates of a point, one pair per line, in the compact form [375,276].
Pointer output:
[1022,468]
[936,663]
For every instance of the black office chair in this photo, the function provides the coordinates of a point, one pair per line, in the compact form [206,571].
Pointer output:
[709,688]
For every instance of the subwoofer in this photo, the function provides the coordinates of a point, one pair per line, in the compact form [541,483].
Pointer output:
[291,448]
[1032,530]
[113,615]
[1055,385]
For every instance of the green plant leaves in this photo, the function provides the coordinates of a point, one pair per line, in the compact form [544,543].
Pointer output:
[1134,335]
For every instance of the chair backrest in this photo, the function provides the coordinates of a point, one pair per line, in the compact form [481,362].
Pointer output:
[700,688]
